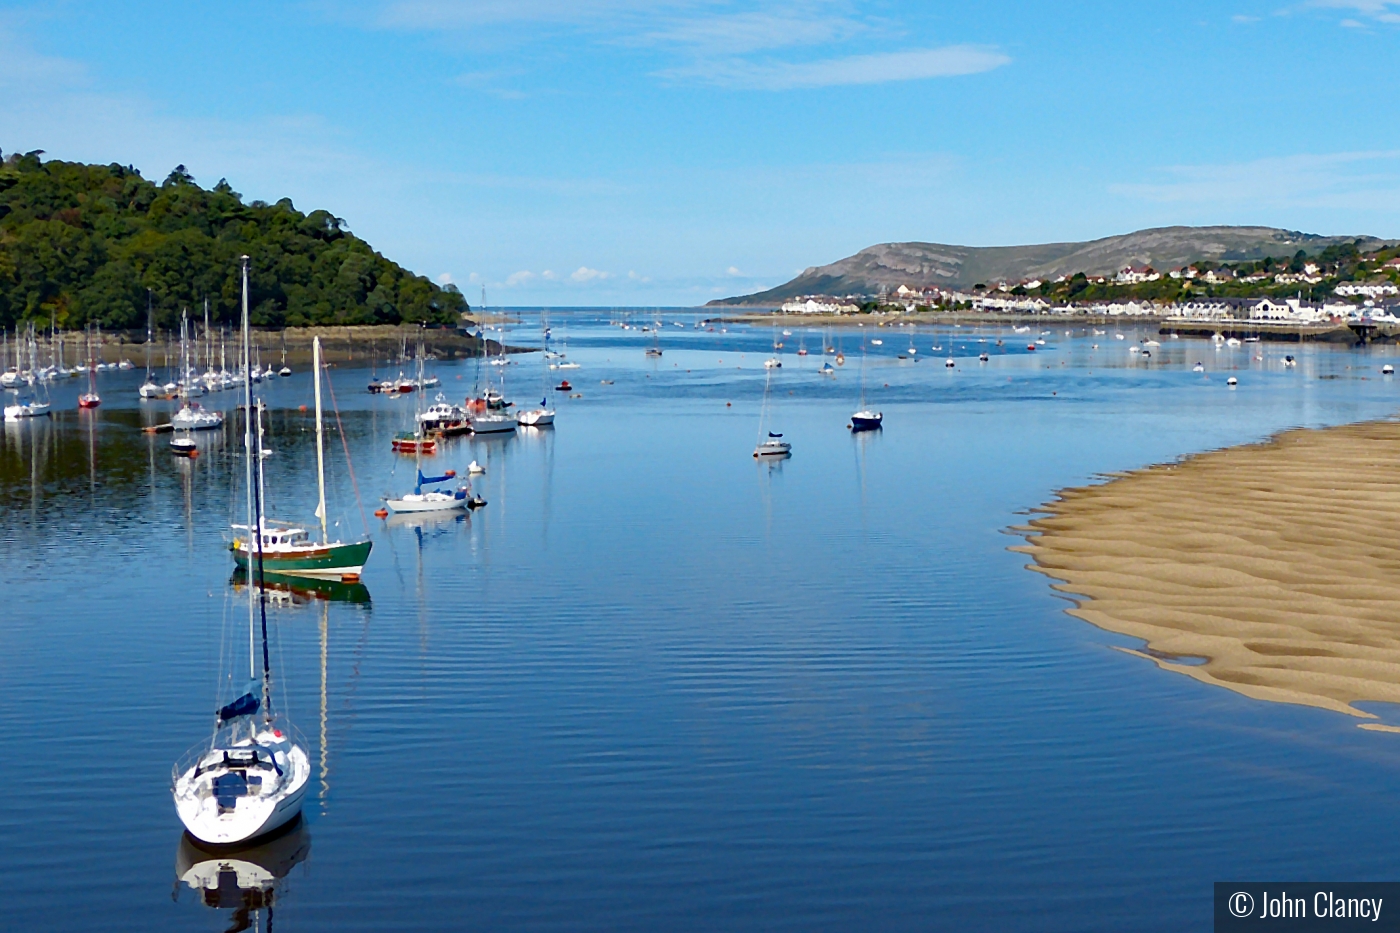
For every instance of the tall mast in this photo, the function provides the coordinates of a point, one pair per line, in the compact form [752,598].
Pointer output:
[254,534]
[320,445]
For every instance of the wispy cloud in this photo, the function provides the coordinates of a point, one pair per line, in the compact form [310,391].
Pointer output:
[585,274]
[522,277]
[709,42]
[754,31]
[878,68]
[1356,180]
[1381,11]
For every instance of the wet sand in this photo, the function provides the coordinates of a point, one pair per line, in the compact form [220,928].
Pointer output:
[1278,563]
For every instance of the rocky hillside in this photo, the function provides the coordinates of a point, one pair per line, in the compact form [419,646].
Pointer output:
[889,265]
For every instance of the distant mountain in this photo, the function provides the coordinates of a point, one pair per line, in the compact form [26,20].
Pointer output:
[890,265]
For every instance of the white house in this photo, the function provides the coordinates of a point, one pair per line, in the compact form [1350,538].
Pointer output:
[1370,290]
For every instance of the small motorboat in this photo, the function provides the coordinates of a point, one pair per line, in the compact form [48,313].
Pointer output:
[89,400]
[867,420]
[1030,347]
[1387,370]
[193,417]
[564,387]
[1198,368]
[774,446]
[285,371]
[773,363]
[475,469]
[949,362]
[802,352]
[982,357]
[827,369]
[877,343]
[1289,360]
[1232,342]
[184,446]
[413,442]
[1232,382]
[1134,349]
[653,352]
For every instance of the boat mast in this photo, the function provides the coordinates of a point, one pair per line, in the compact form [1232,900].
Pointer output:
[320,445]
[254,535]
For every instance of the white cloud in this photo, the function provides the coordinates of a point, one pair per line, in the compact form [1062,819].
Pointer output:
[548,275]
[1241,18]
[1368,181]
[882,67]
[519,278]
[633,276]
[733,270]
[739,33]
[445,279]
[1382,11]
[585,274]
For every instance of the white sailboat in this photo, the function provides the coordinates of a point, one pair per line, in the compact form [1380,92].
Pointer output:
[865,419]
[250,776]
[30,406]
[773,445]
[544,415]
[431,500]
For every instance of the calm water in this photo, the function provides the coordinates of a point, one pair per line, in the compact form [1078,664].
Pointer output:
[657,685]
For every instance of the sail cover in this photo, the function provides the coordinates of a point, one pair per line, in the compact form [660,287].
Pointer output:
[431,479]
[246,705]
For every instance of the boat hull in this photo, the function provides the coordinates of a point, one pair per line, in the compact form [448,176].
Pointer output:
[538,418]
[866,421]
[250,822]
[327,562]
[403,506]
[488,425]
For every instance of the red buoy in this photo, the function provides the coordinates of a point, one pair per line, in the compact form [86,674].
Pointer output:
[381,513]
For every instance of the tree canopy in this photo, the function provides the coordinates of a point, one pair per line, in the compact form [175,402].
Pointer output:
[88,244]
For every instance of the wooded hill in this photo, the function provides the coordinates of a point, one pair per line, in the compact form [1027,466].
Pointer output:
[83,244]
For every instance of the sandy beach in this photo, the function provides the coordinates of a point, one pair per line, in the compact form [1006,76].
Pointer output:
[1276,563]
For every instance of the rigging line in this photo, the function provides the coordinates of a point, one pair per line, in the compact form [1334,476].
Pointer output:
[262,580]
[350,464]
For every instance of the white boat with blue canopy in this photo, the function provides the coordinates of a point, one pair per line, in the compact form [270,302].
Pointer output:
[433,500]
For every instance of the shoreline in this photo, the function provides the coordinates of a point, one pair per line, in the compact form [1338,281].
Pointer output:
[1265,330]
[364,344]
[1269,569]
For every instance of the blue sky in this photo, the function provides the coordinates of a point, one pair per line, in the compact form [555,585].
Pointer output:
[612,152]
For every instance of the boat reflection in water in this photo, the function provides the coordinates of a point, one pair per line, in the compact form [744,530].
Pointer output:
[283,589]
[244,880]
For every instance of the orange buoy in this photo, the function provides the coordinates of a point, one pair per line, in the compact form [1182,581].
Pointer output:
[449,472]
[728,404]
[381,513]
[301,408]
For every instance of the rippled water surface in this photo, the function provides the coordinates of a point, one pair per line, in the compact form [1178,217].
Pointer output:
[655,684]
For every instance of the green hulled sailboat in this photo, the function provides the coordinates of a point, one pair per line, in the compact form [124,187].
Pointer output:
[287,549]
